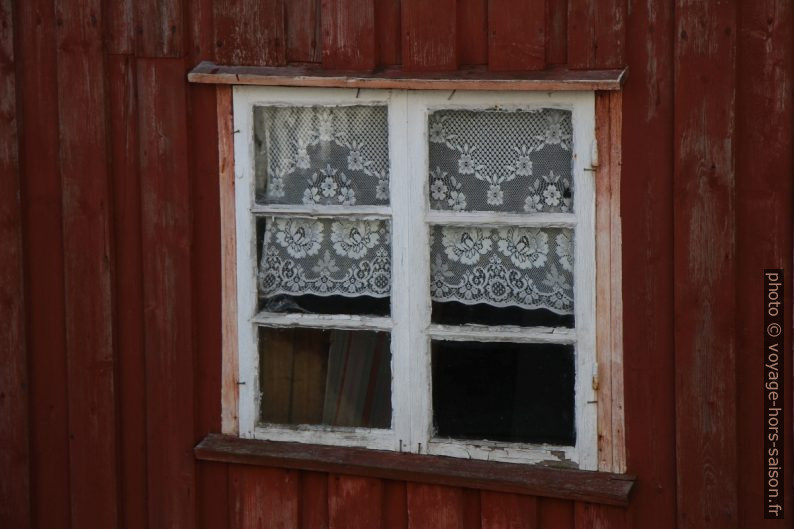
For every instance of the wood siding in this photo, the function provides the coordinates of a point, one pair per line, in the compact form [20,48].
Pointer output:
[110,269]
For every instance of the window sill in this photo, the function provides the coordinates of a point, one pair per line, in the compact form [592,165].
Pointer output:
[594,487]
[554,79]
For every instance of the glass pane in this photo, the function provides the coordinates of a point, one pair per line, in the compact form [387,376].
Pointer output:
[504,392]
[329,377]
[500,160]
[322,155]
[507,276]
[330,266]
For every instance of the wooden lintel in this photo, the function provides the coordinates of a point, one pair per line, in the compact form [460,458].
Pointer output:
[593,487]
[549,80]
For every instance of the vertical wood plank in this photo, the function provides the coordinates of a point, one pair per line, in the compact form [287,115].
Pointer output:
[125,180]
[199,27]
[313,500]
[508,511]
[166,234]
[354,503]
[429,33]
[435,506]
[596,33]
[591,516]
[14,426]
[705,264]
[516,35]
[88,257]
[304,36]
[159,28]
[38,103]
[764,169]
[250,32]
[348,34]
[556,31]
[472,509]
[395,506]
[647,212]
[555,514]
[263,498]
[119,17]
[213,495]
[472,31]
[388,35]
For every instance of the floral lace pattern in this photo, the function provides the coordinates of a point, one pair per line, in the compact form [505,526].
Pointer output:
[325,257]
[497,160]
[322,155]
[526,267]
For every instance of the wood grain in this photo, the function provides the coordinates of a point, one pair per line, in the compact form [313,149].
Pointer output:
[555,514]
[596,487]
[429,35]
[472,31]
[473,79]
[159,28]
[556,31]
[304,33]
[590,516]
[128,285]
[596,33]
[14,424]
[509,511]
[388,34]
[263,497]
[314,500]
[516,35]
[250,32]
[705,265]
[354,502]
[435,506]
[348,36]
[167,286]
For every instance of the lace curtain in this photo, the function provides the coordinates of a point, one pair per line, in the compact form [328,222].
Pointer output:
[530,268]
[322,155]
[498,160]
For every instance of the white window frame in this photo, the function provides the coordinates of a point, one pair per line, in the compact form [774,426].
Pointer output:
[409,320]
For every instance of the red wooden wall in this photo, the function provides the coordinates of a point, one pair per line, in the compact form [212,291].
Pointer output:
[110,272]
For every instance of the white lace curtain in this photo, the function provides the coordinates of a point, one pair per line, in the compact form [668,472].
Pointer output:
[516,161]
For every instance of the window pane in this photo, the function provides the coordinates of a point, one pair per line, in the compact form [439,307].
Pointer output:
[322,155]
[329,377]
[324,265]
[524,275]
[499,160]
[504,392]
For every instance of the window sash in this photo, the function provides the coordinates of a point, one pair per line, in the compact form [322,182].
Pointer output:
[409,322]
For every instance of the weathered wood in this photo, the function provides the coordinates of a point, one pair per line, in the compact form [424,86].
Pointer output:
[476,79]
[429,35]
[263,497]
[304,34]
[596,487]
[250,32]
[555,514]
[596,33]
[387,32]
[395,505]
[88,261]
[764,169]
[590,516]
[354,502]
[38,111]
[14,423]
[314,500]
[705,264]
[609,306]
[348,36]
[230,366]
[167,286]
[508,511]
[647,220]
[434,506]
[213,495]
[159,28]
[119,21]
[556,31]
[472,31]
[516,35]
[199,42]
[128,288]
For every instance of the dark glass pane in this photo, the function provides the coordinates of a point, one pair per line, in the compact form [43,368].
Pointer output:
[504,392]
[329,377]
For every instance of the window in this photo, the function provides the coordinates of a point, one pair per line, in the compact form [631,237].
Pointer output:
[416,271]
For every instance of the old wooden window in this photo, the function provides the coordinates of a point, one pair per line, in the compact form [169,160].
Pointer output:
[416,270]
